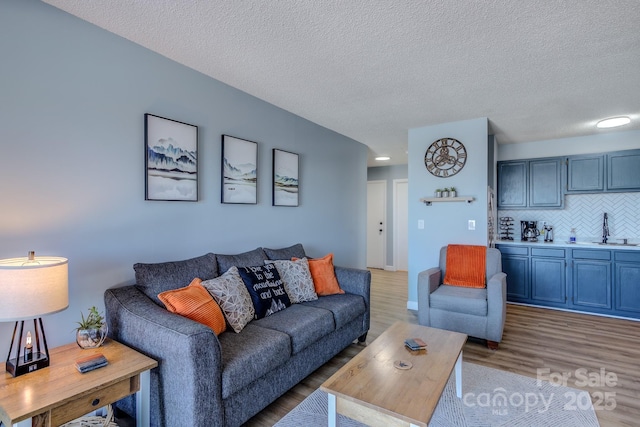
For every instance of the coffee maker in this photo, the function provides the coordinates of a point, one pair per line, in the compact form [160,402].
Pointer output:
[529,231]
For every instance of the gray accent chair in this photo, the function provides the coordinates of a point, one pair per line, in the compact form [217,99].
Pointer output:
[479,313]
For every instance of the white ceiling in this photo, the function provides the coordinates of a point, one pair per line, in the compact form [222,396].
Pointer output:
[372,69]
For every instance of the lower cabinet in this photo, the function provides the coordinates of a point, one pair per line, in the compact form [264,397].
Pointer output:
[627,283]
[548,276]
[590,280]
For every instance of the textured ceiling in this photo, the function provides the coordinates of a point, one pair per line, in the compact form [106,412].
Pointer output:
[372,69]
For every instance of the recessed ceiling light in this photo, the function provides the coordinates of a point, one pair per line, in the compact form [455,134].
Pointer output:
[613,122]
[383,158]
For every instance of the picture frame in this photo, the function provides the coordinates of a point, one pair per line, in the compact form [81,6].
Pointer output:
[286,181]
[239,171]
[171,159]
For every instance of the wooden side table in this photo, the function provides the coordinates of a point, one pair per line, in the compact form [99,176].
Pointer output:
[58,394]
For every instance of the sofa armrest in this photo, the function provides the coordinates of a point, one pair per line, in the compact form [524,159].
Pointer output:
[188,354]
[428,281]
[496,306]
[357,281]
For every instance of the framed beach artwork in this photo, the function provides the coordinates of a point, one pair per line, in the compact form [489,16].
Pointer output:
[285,178]
[239,170]
[171,159]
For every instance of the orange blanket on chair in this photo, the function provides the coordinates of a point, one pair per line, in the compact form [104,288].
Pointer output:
[466,266]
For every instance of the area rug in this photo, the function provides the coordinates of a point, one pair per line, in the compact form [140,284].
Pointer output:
[490,397]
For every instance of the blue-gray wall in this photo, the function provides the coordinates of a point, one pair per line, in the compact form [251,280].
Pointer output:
[446,222]
[388,174]
[73,98]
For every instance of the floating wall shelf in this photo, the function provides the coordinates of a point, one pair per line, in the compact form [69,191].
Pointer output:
[428,200]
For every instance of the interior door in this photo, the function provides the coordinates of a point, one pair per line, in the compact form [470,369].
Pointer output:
[376,223]
[401,224]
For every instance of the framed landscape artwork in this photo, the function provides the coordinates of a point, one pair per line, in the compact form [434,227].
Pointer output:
[171,159]
[239,170]
[285,178]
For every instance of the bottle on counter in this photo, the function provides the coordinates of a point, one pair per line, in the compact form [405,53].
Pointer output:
[572,236]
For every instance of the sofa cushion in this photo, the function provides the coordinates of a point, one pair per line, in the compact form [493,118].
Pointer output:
[249,355]
[344,307]
[194,302]
[266,289]
[286,253]
[153,279]
[304,325]
[233,298]
[245,259]
[324,276]
[297,279]
[460,300]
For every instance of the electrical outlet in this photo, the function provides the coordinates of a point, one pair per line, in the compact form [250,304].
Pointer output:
[472,224]
[421,224]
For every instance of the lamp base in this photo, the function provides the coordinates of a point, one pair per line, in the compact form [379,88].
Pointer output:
[17,367]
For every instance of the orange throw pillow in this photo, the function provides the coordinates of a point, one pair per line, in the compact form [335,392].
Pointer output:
[324,276]
[466,266]
[195,302]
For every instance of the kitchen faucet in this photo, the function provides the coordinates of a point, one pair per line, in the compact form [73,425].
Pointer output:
[605,228]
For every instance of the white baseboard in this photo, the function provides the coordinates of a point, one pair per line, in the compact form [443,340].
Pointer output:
[412,305]
[390,268]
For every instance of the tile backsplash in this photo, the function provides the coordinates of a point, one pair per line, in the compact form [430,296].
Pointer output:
[584,212]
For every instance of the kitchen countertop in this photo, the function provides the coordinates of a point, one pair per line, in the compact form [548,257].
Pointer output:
[566,244]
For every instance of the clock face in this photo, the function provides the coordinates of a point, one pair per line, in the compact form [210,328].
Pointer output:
[445,157]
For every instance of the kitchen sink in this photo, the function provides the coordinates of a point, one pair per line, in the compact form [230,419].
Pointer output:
[615,244]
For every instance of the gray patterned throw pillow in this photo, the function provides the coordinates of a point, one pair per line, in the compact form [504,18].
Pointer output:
[233,298]
[297,279]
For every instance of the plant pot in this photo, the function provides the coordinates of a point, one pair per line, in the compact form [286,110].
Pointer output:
[91,338]
[445,194]
[452,193]
[438,193]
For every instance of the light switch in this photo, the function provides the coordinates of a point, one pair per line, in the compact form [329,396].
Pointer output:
[421,224]
[472,224]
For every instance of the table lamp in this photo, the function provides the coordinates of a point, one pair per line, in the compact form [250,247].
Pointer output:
[30,288]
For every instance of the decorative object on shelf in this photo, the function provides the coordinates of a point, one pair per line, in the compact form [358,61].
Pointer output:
[92,330]
[438,192]
[506,228]
[445,157]
[30,288]
[452,192]
[445,192]
[428,200]
[239,170]
[171,160]
[285,178]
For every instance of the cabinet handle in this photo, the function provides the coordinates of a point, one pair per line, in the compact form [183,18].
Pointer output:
[95,402]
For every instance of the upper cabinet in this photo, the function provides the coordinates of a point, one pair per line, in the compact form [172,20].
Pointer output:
[606,172]
[623,171]
[585,174]
[535,183]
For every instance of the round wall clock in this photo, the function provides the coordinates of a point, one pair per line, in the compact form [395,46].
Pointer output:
[445,157]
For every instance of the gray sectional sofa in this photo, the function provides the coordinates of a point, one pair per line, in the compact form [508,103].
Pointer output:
[207,380]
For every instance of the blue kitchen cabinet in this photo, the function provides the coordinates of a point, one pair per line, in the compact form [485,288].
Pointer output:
[515,263]
[627,283]
[534,183]
[591,280]
[548,276]
[512,184]
[585,174]
[545,183]
[623,171]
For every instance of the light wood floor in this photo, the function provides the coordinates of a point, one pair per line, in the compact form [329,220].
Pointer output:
[533,338]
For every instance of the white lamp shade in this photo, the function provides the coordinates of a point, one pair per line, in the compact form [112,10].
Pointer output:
[33,288]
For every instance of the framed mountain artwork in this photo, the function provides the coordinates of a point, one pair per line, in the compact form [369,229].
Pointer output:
[239,170]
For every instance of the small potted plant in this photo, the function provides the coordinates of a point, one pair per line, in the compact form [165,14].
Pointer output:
[452,192]
[92,330]
[445,192]
[439,192]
